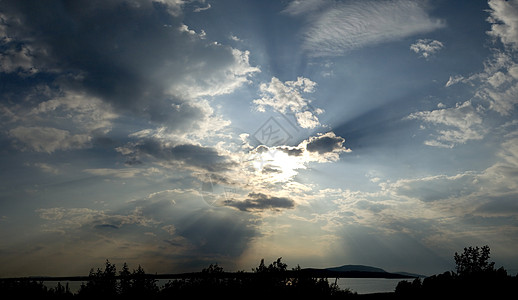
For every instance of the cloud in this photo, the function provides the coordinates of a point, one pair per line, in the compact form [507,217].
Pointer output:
[504,24]
[87,113]
[301,7]
[259,202]
[454,80]
[288,97]
[200,9]
[187,156]
[165,225]
[325,143]
[122,173]
[266,167]
[66,121]
[47,168]
[141,61]
[291,151]
[325,147]
[485,193]
[47,139]
[435,188]
[336,28]
[457,125]
[426,47]
[475,203]
[18,61]
[70,219]
[497,85]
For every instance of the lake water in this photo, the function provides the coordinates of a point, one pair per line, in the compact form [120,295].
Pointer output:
[358,285]
[368,285]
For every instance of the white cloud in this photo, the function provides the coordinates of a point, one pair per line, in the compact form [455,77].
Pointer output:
[48,139]
[202,81]
[299,7]
[288,97]
[456,125]
[267,166]
[504,24]
[426,47]
[174,7]
[336,28]
[475,203]
[234,38]
[454,80]
[200,9]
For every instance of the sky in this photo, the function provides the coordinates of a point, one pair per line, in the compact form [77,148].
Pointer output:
[175,134]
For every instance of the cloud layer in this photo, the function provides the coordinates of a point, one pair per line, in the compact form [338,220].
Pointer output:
[336,28]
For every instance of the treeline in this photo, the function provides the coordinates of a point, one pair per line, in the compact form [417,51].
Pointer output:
[268,280]
[474,277]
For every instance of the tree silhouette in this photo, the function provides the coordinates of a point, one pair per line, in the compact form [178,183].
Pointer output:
[141,284]
[475,276]
[101,283]
[473,260]
[125,280]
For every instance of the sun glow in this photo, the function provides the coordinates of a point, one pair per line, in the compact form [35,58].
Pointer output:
[276,166]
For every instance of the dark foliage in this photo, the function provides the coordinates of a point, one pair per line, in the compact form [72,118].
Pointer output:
[272,280]
[475,276]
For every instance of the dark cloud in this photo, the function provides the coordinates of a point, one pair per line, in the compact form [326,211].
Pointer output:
[292,151]
[270,170]
[325,143]
[135,55]
[188,155]
[260,201]
[504,205]
[106,226]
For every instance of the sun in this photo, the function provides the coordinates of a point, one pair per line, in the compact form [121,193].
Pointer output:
[275,165]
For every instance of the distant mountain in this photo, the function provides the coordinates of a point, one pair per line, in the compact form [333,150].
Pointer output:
[354,271]
[361,268]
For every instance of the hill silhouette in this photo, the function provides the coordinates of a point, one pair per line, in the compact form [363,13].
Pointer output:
[361,268]
[354,271]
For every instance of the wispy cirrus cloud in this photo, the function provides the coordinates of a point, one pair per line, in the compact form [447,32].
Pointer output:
[338,27]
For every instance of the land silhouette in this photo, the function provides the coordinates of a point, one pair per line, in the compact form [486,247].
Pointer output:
[474,275]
